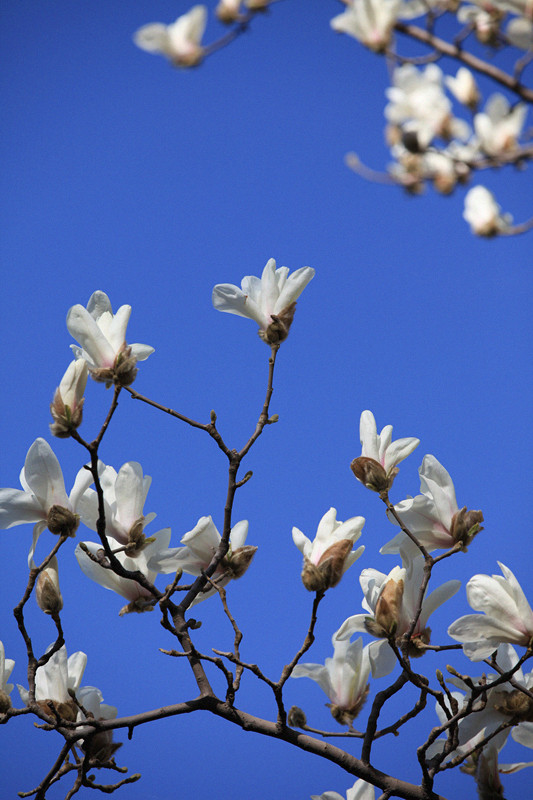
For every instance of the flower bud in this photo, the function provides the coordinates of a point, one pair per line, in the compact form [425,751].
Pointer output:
[47,591]
[62,522]
[237,562]
[228,11]
[101,746]
[296,717]
[465,525]
[372,474]
[5,702]
[330,568]
[67,711]
[278,330]
[387,613]
[67,405]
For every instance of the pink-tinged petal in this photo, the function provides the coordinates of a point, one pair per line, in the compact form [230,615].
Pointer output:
[383,441]
[18,508]
[238,534]
[85,330]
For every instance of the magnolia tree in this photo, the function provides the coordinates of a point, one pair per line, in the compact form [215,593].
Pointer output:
[451,719]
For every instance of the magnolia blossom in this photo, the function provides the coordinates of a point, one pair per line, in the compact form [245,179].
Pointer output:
[6,668]
[519,31]
[201,544]
[53,681]
[463,87]
[499,126]
[344,678]
[102,336]
[124,497]
[228,11]
[97,569]
[101,745]
[44,500]
[390,602]
[327,558]
[433,517]
[67,405]
[486,22]
[369,21]
[483,213]
[376,468]
[180,41]
[508,615]
[47,591]
[361,790]
[270,300]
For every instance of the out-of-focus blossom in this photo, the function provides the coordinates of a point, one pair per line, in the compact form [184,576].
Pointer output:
[201,544]
[53,681]
[499,126]
[483,213]
[180,41]
[419,106]
[464,87]
[519,31]
[124,497]
[270,300]
[369,21]
[377,466]
[47,591]
[390,602]
[344,679]
[102,336]
[433,517]
[485,21]
[6,668]
[228,11]
[97,569]
[44,500]
[507,615]
[67,405]
[327,558]
[361,790]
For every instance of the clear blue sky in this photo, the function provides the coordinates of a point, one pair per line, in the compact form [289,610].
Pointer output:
[153,184]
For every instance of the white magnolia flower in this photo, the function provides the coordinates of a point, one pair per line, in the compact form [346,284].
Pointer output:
[519,31]
[327,558]
[101,745]
[139,598]
[43,500]
[483,213]
[499,126]
[361,790]
[269,300]
[343,678]
[486,22]
[376,468]
[102,336]
[433,516]
[508,615]
[390,602]
[124,497]
[6,668]
[201,544]
[463,87]
[67,405]
[369,21]
[54,679]
[180,41]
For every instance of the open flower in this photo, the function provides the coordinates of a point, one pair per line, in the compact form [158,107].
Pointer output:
[508,615]
[499,126]
[391,601]
[327,558]
[369,21]
[67,405]
[6,668]
[44,500]
[101,746]
[483,213]
[270,300]
[201,544]
[53,681]
[180,41]
[463,87]
[376,467]
[97,569]
[344,678]
[433,517]
[124,497]
[102,336]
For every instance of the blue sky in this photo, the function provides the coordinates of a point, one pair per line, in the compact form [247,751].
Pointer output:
[154,184]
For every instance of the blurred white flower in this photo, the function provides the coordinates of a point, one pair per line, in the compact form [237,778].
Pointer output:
[519,31]
[483,213]
[499,126]
[180,41]
[369,21]
[102,336]
[508,615]
[463,87]
[228,11]
[6,668]
[327,558]
[485,21]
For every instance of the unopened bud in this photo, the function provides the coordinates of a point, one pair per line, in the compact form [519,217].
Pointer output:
[67,405]
[330,568]
[62,521]
[296,717]
[213,417]
[274,418]
[371,474]
[228,11]
[47,591]
[465,525]
[237,562]
[387,613]
[278,330]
